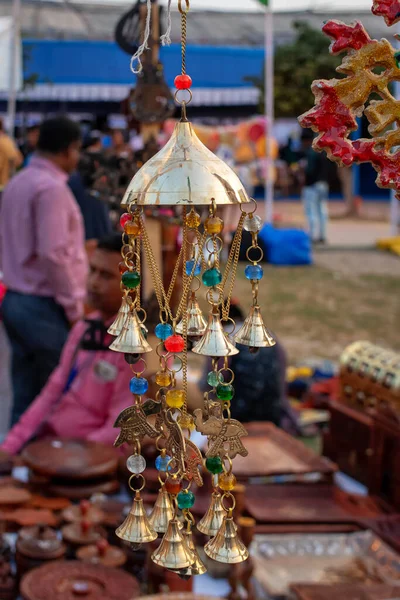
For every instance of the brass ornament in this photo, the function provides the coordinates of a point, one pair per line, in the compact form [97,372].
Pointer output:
[134,425]
[131,339]
[117,326]
[226,546]
[196,323]
[253,332]
[136,527]
[173,552]
[162,513]
[211,523]
[214,341]
[188,456]
[197,567]
[224,435]
[185,172]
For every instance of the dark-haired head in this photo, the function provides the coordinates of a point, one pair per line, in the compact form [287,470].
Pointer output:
[60,142]
[104,292]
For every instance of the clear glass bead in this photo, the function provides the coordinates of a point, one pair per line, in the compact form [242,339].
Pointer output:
[252,223]
[136,464]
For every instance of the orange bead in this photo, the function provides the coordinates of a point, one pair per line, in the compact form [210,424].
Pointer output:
[163,378]
[173,486]
[214,225]
[193,219]
[226,482]
[132,228]
[122,267]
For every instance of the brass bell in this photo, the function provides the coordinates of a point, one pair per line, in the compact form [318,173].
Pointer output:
[173,552]
[136,527]
[214,341]
[226,546]
[131,339]
[211,523]
[162,512]
[197,567]
[184,171]
[196,323]
[253,332]
[116,327]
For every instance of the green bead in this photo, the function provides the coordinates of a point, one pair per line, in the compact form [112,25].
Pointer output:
[214,465]
[225,391]
[212,277]
[131,279]
[397,59]
[185,499]
[214,378]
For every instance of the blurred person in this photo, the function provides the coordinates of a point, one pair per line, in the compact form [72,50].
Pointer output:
[42,256]
[28,148]
[119,146]
[10,157]
[90,386]
[316,189]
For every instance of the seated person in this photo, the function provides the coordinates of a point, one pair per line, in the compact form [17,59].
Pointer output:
[90,386]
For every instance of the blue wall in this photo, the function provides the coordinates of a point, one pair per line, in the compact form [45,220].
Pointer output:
[92,62]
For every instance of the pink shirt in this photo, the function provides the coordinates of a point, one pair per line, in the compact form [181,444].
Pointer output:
[88,410]
[42,244]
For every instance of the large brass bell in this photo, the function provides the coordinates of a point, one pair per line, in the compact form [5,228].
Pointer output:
[131,339]
[183,172]
[136,527]
[214,341]
[196,323]
[253,332]
[197,567]
[173,552]
[162,512]
[211,523]
[117,325]
[226,546]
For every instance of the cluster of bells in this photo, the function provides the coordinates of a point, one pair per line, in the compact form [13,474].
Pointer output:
[212,339]
[177,551]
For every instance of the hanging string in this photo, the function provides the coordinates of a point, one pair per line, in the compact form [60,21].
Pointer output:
[165,39]
[144,46]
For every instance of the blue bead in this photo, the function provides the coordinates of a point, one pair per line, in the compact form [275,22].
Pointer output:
[162,463]
[254,272]
[139,385]
[163,331]
[190,265]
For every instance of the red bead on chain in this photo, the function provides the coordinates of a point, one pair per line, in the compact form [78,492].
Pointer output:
[183,82]
[175,343]
[125,218]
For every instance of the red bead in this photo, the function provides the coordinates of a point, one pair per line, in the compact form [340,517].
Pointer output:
[124,219]
[122,267]
[173,486]
[183,82]
[175,343]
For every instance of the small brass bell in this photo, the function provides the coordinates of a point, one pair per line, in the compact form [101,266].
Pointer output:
[197,567]
[253,332]
[136,527]
[214,341]
[173,552]
[162,512]
[131,339]
[226,546]
[116,327]
[196,323]
[211,523]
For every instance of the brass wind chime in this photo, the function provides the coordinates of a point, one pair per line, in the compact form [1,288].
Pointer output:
[185,174]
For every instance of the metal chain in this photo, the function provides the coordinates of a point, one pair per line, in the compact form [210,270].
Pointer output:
[185,313]
[184,12]
[231,267]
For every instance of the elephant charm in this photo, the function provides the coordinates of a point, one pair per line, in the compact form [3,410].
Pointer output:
[224,435]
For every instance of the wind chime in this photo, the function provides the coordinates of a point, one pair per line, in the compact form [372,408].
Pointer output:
[186,174]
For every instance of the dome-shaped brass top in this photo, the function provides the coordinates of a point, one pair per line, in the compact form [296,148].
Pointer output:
[185,172]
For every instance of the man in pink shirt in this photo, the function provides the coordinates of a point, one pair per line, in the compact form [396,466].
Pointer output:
[90,387]
[43,260]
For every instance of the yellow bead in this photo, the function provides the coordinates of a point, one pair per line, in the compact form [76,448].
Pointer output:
[163,378]
[193,219]
[214,225]
[226,482]
[132,228]
[175,398]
